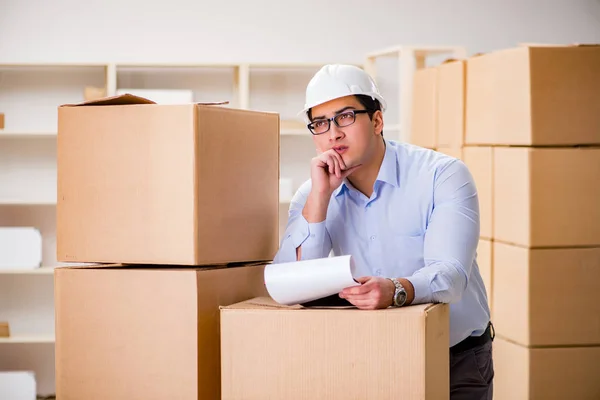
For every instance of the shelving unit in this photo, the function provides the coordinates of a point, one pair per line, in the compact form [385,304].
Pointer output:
[27,135]
[36,271]
[29,97]
[28,339]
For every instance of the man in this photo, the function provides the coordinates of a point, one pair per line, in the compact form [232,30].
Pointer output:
[409,216]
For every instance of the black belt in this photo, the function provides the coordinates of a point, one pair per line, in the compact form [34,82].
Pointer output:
[474,341]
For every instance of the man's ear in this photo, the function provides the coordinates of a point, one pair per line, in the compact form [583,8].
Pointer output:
[378,122]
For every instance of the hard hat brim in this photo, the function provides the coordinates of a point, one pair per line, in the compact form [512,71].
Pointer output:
[375,96]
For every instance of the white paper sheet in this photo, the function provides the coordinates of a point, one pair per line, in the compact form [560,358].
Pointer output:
[302,281]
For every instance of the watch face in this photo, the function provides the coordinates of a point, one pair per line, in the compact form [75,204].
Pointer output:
[400,298]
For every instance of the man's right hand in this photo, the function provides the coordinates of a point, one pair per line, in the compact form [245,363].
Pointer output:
[327,171]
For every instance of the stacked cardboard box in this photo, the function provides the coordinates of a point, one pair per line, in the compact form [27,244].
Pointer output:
[424,108]
[532,142]
[178,205]
[438,109]
[270,351]
[439,112]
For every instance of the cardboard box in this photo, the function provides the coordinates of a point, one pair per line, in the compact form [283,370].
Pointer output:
[480,161]
[144,333]
[534,96]
[451,104]
[277,352]
[545,373]
[4,329]
[546,297]
[547,197]
[424,108]
[486,266]
[451,151]
[166,184]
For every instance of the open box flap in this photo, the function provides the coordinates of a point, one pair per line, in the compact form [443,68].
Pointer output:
[128,98]
[122,99]
[269,303]
[125,266]
[559,45]
[213,103]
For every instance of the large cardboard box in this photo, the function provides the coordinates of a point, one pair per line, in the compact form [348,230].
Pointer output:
[547,197]
[545,373]
[534,96]
[4,329]
[451,104]
[480,161]
[276,352]
[144,333]
[547,297]
[486,266]
[188,184]
[424,108]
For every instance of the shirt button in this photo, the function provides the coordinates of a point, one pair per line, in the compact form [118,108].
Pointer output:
[373,237]
[378,272]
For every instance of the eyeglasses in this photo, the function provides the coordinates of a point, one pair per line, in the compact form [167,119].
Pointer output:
[344,119]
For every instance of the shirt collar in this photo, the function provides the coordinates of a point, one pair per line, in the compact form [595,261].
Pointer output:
[388,172]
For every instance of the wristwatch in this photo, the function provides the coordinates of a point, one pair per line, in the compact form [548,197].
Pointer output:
[399,295]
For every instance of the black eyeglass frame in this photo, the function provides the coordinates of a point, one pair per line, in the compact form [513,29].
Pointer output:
[354,112]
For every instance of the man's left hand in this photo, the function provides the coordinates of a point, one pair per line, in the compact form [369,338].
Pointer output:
[372,294]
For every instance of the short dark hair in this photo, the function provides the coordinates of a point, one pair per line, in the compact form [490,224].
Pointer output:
[370,104]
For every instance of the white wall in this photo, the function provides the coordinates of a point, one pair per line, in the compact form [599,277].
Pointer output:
[271,30]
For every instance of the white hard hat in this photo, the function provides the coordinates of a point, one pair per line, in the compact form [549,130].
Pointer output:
[335,81]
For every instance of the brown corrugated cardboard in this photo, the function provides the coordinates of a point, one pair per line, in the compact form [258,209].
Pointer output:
[451,151]
[546,297]
[4,329]
[166,184]
[480,161]
[144,333]
[451,104]
[486,266]
[1,121]
[534,96]
[277,352]
[545,373]
[547,197]
[424,108]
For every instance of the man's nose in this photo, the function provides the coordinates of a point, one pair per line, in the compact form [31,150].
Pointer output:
[335,132]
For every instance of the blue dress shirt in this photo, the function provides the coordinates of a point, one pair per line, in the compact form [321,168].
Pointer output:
[421,223]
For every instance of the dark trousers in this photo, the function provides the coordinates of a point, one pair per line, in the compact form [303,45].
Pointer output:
[472,373]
